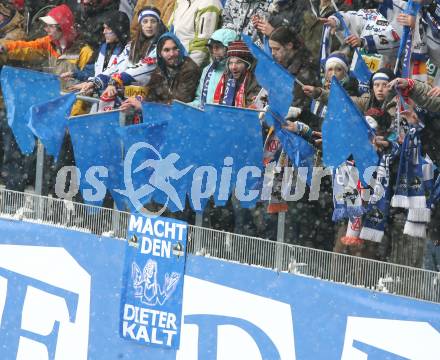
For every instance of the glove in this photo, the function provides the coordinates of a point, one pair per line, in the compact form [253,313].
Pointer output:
[293,113]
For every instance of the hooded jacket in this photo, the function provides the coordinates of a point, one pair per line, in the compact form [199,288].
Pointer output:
[181,86]
[75,55]
[225,36]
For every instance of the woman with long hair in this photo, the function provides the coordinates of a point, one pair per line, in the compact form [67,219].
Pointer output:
[115,30]
[138,59]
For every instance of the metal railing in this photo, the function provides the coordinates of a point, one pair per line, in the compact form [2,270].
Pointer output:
[354,271]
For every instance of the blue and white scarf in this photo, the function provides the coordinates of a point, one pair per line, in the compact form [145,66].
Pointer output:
[205,86]
[346,195]
[377,211]
[418,218]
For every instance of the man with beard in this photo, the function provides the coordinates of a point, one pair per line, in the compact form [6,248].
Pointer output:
[217,45]
[238,86]
[176,76]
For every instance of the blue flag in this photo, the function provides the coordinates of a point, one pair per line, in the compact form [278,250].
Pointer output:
[96,143]
[22,89]
[184,139]
[233,133]
[48,122]
[300,151]
[142,144]
[403,62]
[181,148]
[273,77]
[361,71]
[345,132]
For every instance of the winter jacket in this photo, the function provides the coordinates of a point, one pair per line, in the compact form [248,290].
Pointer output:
[165,87]
[14,29]
[193,22]
[433,34]
[424,42]
[251,91]
[319,105]
[287,13]
[75,56]
[302,67]
[237,16]
[165,7]
[419,94]
[430,116]
[125,73]
[375,30]
[225,36]
[107,57]
[311,29]
[363,102]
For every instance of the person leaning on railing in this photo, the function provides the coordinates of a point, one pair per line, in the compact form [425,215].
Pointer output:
[176,76]
[60,47]
[132,70]
[63,52]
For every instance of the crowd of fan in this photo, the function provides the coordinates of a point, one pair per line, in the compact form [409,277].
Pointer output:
[128,52]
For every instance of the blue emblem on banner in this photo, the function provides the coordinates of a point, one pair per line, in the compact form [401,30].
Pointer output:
[151,301]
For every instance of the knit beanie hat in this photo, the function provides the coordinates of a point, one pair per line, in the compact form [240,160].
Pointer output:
[338,58]
[240,50]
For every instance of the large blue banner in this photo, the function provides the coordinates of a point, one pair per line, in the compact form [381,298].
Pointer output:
[151,305]
[22,89]
[60,299]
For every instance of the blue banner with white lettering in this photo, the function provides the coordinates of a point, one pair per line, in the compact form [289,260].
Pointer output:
[151,301]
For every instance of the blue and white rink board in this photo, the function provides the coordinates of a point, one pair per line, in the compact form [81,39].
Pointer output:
[60,295]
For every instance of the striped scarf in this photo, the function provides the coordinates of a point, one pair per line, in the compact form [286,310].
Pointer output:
[226,92]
